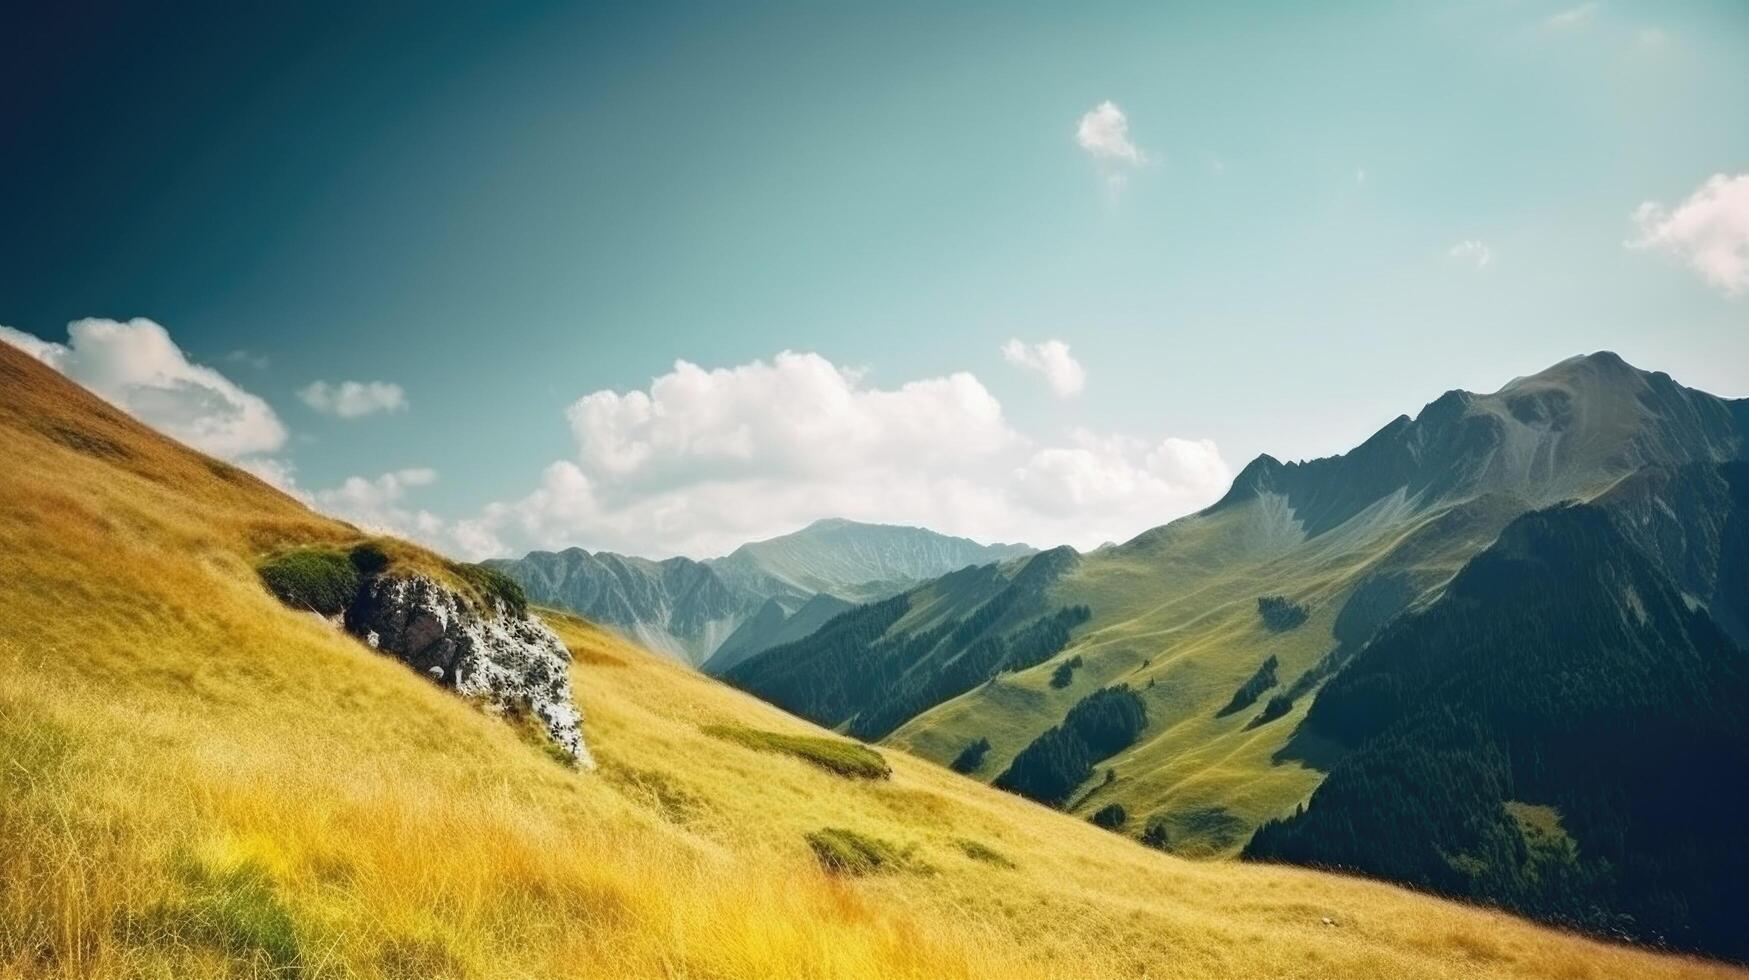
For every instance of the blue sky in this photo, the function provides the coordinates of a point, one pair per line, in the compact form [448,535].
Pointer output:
[1282,226]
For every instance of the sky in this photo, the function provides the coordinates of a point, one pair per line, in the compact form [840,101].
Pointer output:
[666,279]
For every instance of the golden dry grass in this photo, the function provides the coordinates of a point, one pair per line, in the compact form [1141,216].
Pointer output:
[198,782]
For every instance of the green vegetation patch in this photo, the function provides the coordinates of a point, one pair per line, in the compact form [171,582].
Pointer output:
[1064,675]
[87,442]
[1248,693]
[832,754]
[677,803]
[323,580]
[490,587]
[972,756]
[237,912]
[1099,726]
[1280,613]
[326,579]
[1203,831]
[982,853]
[1110,816]
[846,852]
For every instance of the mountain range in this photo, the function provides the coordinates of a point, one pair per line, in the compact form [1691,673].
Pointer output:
[242,739]
[1185,687]
[719,611]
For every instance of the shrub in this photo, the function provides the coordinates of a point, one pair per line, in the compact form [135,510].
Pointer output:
[1155,835]
[832,754]
[369,558]
[972,756]
[318,579]
[1110,817]
[846,852]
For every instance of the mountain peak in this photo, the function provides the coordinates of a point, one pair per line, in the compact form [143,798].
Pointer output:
[1566,431]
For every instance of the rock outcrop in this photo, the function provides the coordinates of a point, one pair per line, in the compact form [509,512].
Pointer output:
[508,661]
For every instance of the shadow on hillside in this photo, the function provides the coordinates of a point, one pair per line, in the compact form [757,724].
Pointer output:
[1309,749]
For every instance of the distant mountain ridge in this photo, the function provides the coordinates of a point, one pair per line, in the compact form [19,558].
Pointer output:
[688,608]
[1348,544]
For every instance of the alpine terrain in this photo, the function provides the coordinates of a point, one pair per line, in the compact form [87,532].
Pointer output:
[1535,575]
[718,612]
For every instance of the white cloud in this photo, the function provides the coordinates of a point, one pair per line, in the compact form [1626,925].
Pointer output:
[1472,251]
[1052,359]
[706,459]
[1709,231]
[379,505]
[275,472]
[351,399]
[1572,17]
[1104,132]
[138,368]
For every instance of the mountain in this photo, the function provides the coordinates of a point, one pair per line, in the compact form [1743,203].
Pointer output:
[772,626]
[679,607]
[688,609]
[197,780]
[845,558]
[1227,623]
[1565,731]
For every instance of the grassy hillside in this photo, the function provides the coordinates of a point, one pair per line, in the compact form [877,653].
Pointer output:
[196,781]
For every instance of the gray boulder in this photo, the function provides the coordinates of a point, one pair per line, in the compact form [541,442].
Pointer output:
[507,661]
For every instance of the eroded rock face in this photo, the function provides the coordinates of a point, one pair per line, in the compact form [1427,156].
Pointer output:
[507,661]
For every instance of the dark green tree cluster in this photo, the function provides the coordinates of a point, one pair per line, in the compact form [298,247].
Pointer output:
[972,756]
[1280,613]
[1561,668]
[1064,675]
[1261,680]
[1100,725]
[1110,816]
[827,676]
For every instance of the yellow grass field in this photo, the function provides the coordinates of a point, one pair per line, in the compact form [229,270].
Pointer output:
[198,782]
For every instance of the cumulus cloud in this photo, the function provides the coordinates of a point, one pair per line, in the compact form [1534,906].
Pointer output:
[1709,231]
[1572,17]
[1472,251]
[351,399]
[139,369]
[704,459]
[1052,359]
[1104,132]
[379,504]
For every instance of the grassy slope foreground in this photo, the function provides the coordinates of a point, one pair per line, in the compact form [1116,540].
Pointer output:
[196,781]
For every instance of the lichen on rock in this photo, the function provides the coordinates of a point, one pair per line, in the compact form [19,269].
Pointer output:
[503,659]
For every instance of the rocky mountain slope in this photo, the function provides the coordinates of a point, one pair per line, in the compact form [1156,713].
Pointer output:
[689,608]
[197,780]
[1226,623]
